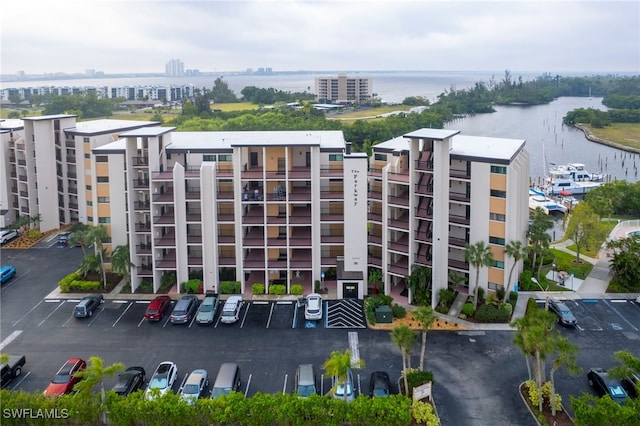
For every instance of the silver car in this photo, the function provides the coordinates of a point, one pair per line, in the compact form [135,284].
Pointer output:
[7,235]
[194,385]
[207,309]
[345,390]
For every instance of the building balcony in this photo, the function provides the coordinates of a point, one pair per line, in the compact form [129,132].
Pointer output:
[400,245]
[72,175]
[254,216]
[423,260]
[301,259]
[457,196]
[399,267]
[141,205]
[375,261]
[73,206]
[224,171]
[328,262]
[300,216]
[141,183]
[73,190]
[226,261]
[168,240]
[402,200]
[143,248]
[424,237]
[375,217]
[162,176]
[375,172]
[254,239]
[300,194]
[401,223]
[194,216]
[374,239]
[194,239]
[22,162]
[193,194]
[399,177]
[24,194]
[458,264]
[300,173]
[331,172]
[332,217]
[460,174]
[143,227]
[222,195]
[277,263]
[145,270]
[277,242]
[424,189]
[276,220]
[375,195]
[167,197]
[70,159]
[226,239]
[457,242]
[139,161]
[166,219]
[194,260]
[331,195]
[461,220]
[22,178]
[255,172]
[275,174]
[424,165]
[332,239]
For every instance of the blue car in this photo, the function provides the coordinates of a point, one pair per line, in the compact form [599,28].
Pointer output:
[6,273]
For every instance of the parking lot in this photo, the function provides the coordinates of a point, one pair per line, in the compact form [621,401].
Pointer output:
[472,368]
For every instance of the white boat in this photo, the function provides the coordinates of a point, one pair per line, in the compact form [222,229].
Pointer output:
[539,199]
[572,179]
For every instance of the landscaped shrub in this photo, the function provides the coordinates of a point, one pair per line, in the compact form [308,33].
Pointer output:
[296,289]
[398,311]
[492,313]
[417,377]
[277,289]
[480,296]
[317,286]
[467,309]
[66,281]
[442,309]
[373,302]
[230,287]
[71,283]
[531,305]
[423,413]
[257,288]
[145,286]
[191,286]
[446,296]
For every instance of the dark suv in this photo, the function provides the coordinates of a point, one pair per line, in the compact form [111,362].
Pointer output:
[562,311]
[87,306]
[184,310]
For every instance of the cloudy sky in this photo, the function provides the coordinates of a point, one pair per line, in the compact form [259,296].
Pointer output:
[114,36]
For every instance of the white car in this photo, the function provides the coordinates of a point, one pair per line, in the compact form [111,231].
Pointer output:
[313,307]
[638,299]
[231,310]
[162,379]
[194,386]
[7,235]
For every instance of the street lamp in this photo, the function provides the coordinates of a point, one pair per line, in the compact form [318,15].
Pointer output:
[553,265]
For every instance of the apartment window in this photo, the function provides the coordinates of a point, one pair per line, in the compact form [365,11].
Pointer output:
[103,199]
[335,157]
[497,217]
[498,264]
[102,179]
[498,193]
[496,240]
[87,156]
[501,170]
[85,140]
[90,219]
[102,159]
[88,187]
[381,157]
[209,157]
[89,203]
[104,220]
[494,286]
[224,158]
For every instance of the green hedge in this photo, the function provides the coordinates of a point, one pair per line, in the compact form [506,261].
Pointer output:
[257,288]
[398,311]
[72,283]
[491,313]
[258,410]
[296,289]
[230,287]
[277,289]
[373,302]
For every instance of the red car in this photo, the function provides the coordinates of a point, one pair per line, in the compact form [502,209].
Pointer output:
[157,308]
[64,380]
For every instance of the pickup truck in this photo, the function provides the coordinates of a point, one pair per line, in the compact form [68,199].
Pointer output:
[12,369]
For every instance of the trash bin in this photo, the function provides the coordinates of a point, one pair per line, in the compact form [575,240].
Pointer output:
[384,314]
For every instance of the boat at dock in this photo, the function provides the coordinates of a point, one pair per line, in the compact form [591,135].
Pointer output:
[572,179]
[538,199]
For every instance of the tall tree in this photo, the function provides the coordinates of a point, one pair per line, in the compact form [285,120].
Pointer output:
[404,338]
[584,227]
[565,357]
[517,251]
[540,223]
[121,262]
[426,317]
[97,235]
[478,255]
[94,375]
[624,262]
[337,366]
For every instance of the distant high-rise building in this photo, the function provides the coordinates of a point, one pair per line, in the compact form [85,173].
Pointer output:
[343,89]
[174,68]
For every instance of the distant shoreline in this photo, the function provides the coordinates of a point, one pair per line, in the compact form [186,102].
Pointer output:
[594,138]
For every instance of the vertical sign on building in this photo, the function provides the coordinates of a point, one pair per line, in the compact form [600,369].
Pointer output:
[355,212]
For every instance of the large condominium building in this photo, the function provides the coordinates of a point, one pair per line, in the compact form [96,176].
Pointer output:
[280,207]
[174,68]
[432,192]
[48,172]
[343,89]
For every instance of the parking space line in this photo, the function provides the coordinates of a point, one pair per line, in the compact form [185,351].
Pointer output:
[93,318]
[166,321]
[21,380]
[270,314]
[620,315]
[31,310]
[10,338]
[322,384]
[354,347]
[67,321]
[51,313]
[122,314]
[295,317]
[141,321]
[284,386]
[246,391]
[245,315]
[192,320]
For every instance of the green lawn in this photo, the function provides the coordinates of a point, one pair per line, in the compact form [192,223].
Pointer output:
[567,262]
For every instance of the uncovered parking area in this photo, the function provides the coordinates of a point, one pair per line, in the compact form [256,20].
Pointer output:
[604,314]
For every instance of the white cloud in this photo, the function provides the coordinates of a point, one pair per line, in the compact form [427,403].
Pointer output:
[141,36]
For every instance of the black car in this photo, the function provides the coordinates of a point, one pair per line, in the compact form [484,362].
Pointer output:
[379,385]
[87,306]
[129,381]
[606,385]
[562,311]
[631,384]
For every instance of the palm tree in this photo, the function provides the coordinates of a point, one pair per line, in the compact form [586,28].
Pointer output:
[540,223]
[426,317]
[478,255]
[566,357]
[80,232]
[121,262]
[96,235]
[404,338]
[337,366]
[90,263]
[419,282]
[517,251]
[94,375]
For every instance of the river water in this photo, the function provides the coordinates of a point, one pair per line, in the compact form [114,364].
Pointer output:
[549,141]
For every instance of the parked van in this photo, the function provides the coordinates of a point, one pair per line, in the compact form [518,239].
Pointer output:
[306,383]
[227,380]
[231,310]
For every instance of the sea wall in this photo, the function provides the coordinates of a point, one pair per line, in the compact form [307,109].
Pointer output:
[594,138]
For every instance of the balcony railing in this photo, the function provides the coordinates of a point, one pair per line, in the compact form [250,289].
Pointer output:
[139,161]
